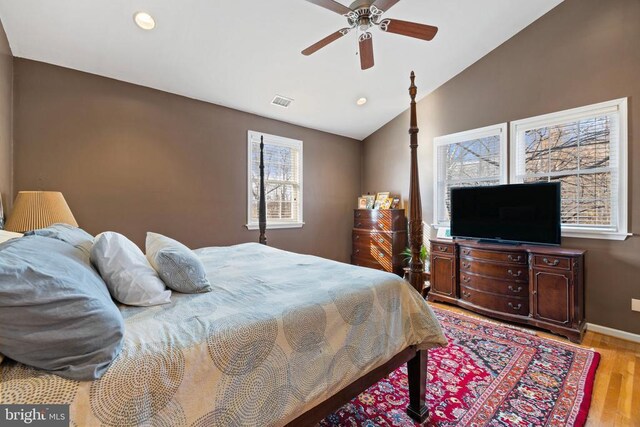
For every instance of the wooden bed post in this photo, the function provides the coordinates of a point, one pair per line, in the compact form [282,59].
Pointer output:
[416,273]
[262,208]
[417,375]
[417,366]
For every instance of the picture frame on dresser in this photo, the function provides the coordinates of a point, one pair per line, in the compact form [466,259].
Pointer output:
[371,200]
[381,197]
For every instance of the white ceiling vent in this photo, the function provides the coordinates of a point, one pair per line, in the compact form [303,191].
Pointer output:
[281,101]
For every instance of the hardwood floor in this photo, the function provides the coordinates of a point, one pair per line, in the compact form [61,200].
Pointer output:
[616,395]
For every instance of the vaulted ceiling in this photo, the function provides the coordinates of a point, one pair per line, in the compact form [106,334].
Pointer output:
[241,53]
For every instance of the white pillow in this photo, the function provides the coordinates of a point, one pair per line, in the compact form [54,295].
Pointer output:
[124,268]
[8,235]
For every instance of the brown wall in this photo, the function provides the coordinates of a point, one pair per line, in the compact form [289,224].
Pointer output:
[133,159]
[6,119]
[582,52]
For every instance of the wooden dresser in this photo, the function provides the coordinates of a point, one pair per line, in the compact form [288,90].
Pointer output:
[542,286]
[379,237]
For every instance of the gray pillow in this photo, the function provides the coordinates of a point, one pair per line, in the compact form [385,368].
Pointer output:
[55,311]
[178,267]
[67,233]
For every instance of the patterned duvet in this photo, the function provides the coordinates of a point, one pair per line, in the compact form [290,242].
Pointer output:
[279,333]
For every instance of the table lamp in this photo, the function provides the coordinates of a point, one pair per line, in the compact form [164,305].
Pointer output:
[39,209]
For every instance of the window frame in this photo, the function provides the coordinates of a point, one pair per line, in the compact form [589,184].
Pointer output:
[518,128]
[499,130]
[285,142]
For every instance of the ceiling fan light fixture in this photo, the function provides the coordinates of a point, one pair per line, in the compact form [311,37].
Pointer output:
[144,20]
[361,101]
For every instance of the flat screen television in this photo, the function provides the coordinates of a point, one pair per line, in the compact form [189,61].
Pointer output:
[516,213]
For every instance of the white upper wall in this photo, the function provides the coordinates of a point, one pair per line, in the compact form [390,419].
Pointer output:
[241,53]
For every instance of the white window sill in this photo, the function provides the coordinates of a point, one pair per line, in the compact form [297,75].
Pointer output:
[276,226]
[579,233]
[589,234]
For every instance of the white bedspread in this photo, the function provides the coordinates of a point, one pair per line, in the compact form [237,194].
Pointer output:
[279,333]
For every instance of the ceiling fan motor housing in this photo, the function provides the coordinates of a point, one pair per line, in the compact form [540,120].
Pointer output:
[361,17]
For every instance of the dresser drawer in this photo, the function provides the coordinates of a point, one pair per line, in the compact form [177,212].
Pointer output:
[548,261]
[497,271]
[506,257]
[507,288]
[379,219]
[372,252]
[372,238]
[443,248]
[508,305]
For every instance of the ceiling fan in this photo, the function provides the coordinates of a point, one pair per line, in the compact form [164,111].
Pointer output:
[362,15]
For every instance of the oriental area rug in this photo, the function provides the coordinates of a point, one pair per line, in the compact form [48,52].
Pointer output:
[489,375]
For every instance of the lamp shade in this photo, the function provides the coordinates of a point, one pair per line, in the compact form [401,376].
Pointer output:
[39,209]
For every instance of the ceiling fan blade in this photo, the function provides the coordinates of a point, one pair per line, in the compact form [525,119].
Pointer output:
[366,51]
[325,41]
[384,5]
[410,29]
[332,5]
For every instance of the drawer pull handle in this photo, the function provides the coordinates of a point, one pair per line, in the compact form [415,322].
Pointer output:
[381,225]
[381,255]
[465,252]
[358,225]
[466,264]
[357,237]
[443,248]
[357,251]
[381,240]
[551,263]
[515,290]
[466,294]
[518,274]
[514,259]
[357,214]
[466,279]
[517,307]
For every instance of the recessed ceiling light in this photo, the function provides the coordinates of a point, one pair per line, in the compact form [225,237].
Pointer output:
[361,101]
[144,20]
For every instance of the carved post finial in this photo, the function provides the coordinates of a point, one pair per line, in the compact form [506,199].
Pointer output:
[262,208]
[413,89]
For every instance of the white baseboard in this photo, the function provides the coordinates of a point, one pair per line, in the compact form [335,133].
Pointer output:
[617,333]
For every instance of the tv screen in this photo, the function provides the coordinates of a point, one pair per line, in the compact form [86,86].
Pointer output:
[522,213]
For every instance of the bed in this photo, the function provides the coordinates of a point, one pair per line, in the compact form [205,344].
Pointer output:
[262,348]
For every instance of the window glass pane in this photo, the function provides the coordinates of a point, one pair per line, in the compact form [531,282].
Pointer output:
[570,153]
[472,158]
[595,200]
[478,158]
[536,155]
[282,182]
[595,138]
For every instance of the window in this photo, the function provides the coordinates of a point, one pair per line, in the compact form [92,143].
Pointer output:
[282,180]
[586,150]
[466,159]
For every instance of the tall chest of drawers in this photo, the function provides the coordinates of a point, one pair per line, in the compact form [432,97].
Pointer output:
[541,286]
[379,237]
